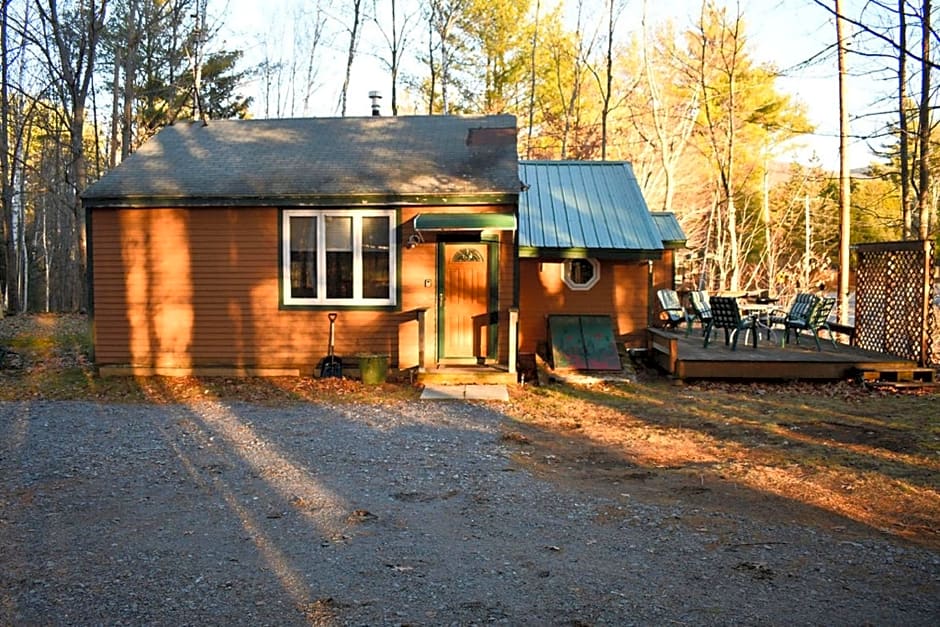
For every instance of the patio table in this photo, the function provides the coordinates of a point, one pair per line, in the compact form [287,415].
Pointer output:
[760,314]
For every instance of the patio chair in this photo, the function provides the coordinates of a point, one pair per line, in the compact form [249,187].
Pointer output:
[671,306]
[701,309]
[796,316]
[817,319]
[726,315]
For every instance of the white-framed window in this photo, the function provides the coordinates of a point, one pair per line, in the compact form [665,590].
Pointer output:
[580,274]
[338,257]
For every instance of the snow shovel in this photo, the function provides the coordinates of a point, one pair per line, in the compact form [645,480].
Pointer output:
[331,366]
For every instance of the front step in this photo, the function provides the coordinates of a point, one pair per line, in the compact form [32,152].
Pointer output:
[901,377]
[460,375]
[470,392]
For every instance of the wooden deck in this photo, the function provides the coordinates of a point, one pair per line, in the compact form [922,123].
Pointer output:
[684,357]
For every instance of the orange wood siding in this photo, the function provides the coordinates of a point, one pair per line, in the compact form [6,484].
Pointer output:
[622,292]
[182,288]
[664,271]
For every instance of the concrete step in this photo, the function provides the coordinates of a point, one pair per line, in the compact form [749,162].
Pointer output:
[455,375]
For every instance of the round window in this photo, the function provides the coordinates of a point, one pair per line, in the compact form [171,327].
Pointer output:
[580,274]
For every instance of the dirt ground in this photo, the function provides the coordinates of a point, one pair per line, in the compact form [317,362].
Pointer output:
[406,512]
[749,503]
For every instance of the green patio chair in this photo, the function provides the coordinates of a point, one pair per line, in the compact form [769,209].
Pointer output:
[817,319]
[701,309]
[671,306]
[796,316]
[726,315]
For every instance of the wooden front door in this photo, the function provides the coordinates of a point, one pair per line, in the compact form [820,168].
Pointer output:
[465,301]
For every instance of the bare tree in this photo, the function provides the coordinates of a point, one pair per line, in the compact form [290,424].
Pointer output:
[351,52]
[11,278]
[844,175]
[903,139]
[312,38]
[444,17]
[915,169]
[532,76]
[569,88]
[924,128]
[196,51]
[605,79]
[672,117]
[719,48]
[69,43]
[396,40]
[130,73]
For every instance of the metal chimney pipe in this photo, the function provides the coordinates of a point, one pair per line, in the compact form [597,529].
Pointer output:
[375,96]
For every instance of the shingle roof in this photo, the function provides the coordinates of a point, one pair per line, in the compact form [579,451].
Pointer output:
[290,159]
[591,207]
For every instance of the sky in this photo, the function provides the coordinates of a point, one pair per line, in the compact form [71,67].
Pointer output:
[785,33]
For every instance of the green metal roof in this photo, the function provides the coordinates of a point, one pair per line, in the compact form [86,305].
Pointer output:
[670,231]
[465,222]
[591,208]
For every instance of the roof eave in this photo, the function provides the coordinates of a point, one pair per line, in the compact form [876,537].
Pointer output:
[674,245]
[305,200]
[620,254]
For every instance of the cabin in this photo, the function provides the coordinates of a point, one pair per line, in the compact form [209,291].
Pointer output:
[260,247]
[590,253]
[224,247]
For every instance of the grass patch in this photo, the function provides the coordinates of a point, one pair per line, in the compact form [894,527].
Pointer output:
[53,361]
[868,455]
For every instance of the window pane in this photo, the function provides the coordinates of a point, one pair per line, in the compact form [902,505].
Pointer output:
[339,271]
[375,257]
[303,257]
[375,233]
[339,233]
[581,271]
[339,257]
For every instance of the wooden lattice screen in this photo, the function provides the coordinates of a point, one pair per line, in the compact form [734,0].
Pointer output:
[894,312]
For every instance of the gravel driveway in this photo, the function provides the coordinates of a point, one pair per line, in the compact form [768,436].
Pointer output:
[410,513]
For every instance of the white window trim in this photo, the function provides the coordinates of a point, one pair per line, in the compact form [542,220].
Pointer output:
[581,287]
[356,215]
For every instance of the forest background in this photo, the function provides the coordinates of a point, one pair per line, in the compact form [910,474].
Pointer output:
[687,96]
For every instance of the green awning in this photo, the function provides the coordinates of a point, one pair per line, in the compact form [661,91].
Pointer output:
[465,222]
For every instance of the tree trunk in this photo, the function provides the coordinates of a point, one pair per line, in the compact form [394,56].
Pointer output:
[902,124]
[395,58]
[844,175]
[605,110]
[351,54]
[75,65]
[11,282]
[532,74]
[768,230]
[130,72]
[923,130]
[445,68]
[432,69]
[79,176]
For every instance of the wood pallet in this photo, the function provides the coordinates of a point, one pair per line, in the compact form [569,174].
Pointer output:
[901,377]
